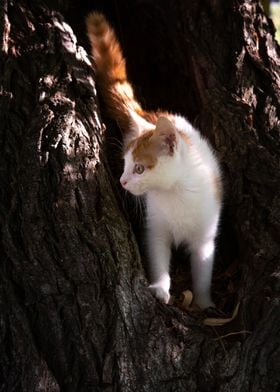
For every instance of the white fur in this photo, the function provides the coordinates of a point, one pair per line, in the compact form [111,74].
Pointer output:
[182,207]
[138,123]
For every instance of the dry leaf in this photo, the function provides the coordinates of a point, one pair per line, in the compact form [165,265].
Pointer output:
[186,298]
[217,322]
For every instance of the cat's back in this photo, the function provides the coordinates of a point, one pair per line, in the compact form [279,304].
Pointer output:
[198,147]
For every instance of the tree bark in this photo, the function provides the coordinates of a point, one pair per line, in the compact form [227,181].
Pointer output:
[75,311]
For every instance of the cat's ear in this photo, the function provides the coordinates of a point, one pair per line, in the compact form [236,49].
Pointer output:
[167,133]
[137,127]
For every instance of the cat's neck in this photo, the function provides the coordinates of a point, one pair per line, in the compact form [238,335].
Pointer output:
[186,174]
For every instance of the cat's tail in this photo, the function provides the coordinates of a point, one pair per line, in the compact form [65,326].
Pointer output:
[115,89]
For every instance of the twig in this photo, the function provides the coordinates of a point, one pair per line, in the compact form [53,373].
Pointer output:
[232,333]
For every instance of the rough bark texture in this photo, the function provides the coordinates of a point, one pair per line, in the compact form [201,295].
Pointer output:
[75,313]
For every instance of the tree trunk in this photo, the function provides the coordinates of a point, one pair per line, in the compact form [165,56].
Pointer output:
[75,311]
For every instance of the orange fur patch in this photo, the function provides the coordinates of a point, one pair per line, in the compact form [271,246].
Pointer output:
[145,150]
[106,48]
[110,68]
[110,65]
[152,117]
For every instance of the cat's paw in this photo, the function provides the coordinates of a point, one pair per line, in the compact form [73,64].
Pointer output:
[204,302]
[160,293]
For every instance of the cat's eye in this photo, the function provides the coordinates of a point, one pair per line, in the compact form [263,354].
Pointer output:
[138,168]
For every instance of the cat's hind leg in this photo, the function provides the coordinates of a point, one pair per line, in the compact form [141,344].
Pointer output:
[202,259]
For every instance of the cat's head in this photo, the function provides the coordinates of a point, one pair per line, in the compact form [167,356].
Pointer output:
[150,159]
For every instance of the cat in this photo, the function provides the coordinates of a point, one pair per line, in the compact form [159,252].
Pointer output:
[168,162]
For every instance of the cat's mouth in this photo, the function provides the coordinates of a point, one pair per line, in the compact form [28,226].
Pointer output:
[134,191]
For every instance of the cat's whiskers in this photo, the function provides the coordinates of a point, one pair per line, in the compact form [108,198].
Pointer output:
[113,141]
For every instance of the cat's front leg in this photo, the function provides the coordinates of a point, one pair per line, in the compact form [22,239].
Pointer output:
[202,257]
[159,249]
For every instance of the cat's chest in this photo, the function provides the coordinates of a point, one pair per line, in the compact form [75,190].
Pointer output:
[179,213]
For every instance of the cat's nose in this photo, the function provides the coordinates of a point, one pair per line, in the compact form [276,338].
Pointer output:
[123,182]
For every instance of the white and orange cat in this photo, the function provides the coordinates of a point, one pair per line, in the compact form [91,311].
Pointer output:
[170,164]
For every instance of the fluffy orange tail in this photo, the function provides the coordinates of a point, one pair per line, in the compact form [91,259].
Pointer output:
[111,75]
